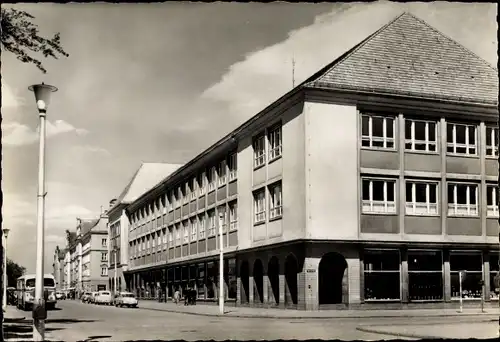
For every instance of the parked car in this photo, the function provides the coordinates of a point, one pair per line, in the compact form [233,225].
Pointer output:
[86,297]
[60,295]
[93,297]
[126,299]
[104,297]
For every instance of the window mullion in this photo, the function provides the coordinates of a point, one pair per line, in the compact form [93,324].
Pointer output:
[428,197]
[370,131]
[454,138]
[455,198]
[370,194]
[413,197]
[467,139]
[427,137]
[467,198]
[384,132]
[476,195]
[412,127]
[385,196]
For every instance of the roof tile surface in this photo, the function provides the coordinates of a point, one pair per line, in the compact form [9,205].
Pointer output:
[409,57]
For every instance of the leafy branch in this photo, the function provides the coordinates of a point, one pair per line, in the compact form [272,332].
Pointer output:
[21,37]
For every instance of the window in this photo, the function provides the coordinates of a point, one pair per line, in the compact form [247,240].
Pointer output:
[211,223]
[259,199]
[425,275]
[421,198]
[170,237]
[178,197]
[187,192]
[104,242]
[462,199]
[201,227]
[177,235]
[222,217]
[147,243]
[274,142]
[104,271]
[186,232]
[472,263]
[377,131]
[379,196]
[491,141]
[194,229]
[259,151]
[492,200]
[211,178]
[164,238]
[233,166]
[201,183]
[222,173]
[420,136]
[192,184]
[153,242]
[158,238]
[171,201]
[104,256]
[233,216]
[382,275]
[494,272]
[275,201]
[462,139]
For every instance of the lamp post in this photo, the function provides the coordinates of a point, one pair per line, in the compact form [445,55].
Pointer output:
[5,234]
[115,250]
[221,267]
[42,97]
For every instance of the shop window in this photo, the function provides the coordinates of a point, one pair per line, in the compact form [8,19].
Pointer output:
[425,275]
[382,275]
[231,279]
[201,281]
[471,262]
[494,271]
[211,276]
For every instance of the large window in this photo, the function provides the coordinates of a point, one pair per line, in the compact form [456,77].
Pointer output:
[233,166]
[233,216]
[275,200]
[187,192]
[177,235]
[232,283]
[494,272]
[186,231]
[104,256]
[221,211]
[211,176]
[259,150]
[200,284]
[170,237]
[382,275]
[192,185]
[222,173]
[259,200]
[462,139]
[274,142]
[377,131]
[421,198]
[104,271]
[472,263]
[425,275]
[201,184]
[462,199]
[492,200]
[491,141]
[420,136]
[379,196]
[194,229]
[212,224]
[201,227]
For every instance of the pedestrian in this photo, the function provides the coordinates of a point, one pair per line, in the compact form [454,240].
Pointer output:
[177,296]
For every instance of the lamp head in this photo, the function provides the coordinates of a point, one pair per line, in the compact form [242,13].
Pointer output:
[5,232]
[42,95]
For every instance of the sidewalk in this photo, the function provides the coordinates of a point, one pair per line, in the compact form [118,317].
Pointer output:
[247,312]
[479,330]
[13,314]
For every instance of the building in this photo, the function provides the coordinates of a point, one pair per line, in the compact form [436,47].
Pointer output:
[86,261]
[147,176]
[58,267]
[374,182]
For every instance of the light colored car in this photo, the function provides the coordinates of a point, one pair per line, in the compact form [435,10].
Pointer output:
[126,299]
[93,297]
[104,297]
[60,295]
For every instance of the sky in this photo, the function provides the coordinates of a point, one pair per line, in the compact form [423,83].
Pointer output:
[162,82]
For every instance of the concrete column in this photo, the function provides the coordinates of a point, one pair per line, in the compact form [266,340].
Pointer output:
[353,268]
[444,190]
[282,289]
[447,276]
[482,188]
[311,266]
[251,286]
[486,275]
[401,183]
[404,276]
[265,289]
[238,290]
[301,293]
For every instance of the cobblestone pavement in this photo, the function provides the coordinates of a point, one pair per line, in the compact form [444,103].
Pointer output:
[77,322]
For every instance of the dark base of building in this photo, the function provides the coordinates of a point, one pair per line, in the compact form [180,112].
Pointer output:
[328,275]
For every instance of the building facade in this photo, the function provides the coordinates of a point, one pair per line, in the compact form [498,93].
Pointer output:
[147,176]
[58,267]
[374,181]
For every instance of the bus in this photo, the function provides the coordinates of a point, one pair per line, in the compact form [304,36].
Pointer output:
[26,291]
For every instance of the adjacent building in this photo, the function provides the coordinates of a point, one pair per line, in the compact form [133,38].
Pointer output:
[86,259]
[374,181]
[58,267]
[147,176]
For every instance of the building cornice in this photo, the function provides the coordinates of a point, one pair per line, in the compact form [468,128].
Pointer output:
[406,104]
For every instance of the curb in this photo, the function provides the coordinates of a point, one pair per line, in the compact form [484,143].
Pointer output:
[409,335]
[313,317]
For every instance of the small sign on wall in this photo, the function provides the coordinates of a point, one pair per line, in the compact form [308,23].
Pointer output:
[311,270]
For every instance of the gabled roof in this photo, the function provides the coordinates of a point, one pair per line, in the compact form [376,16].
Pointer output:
[145,178]
[409,57]
[87,224]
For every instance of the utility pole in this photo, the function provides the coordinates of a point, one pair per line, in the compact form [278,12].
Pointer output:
[293,72]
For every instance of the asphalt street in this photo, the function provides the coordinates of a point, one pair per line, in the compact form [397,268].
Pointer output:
[74,321]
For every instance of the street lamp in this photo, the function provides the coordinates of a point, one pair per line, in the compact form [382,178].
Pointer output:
[5,234]
[42,98]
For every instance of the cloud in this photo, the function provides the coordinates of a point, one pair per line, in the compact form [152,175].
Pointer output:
[263,76]
[91,149]
[10,98]
[17,134]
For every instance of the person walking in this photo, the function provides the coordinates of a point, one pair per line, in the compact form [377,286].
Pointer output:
[177,296]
